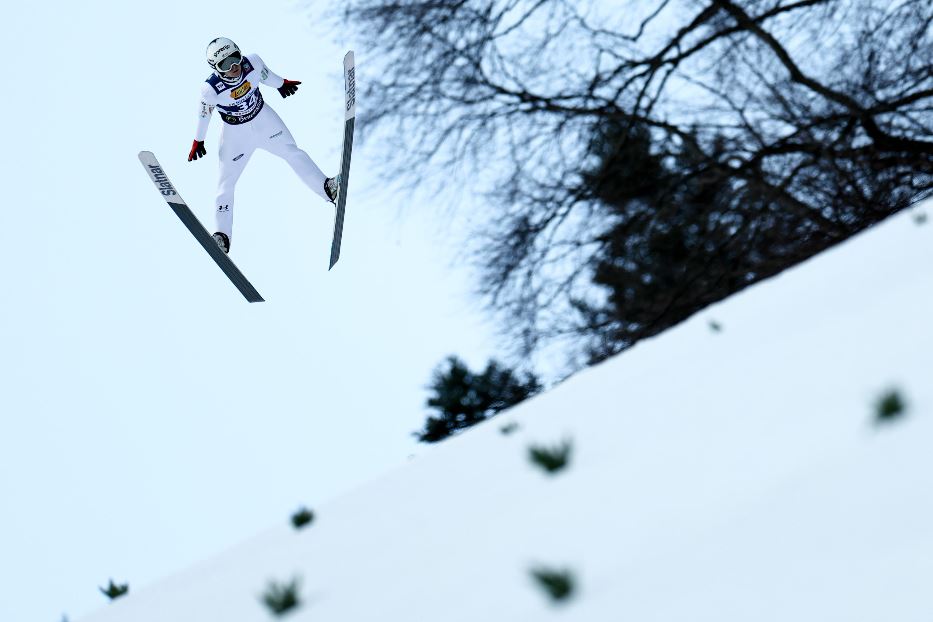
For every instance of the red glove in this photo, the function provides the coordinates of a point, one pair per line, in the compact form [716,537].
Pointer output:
[197,150]
[288,88]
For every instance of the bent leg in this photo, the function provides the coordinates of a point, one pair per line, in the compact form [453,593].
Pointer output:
[281,143]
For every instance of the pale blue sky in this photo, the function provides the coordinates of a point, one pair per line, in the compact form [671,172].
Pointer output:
[150,416]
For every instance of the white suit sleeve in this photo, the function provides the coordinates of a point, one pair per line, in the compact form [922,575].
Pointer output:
[205,109]
[266,75]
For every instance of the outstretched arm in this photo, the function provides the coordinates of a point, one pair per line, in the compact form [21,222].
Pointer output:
[269,78]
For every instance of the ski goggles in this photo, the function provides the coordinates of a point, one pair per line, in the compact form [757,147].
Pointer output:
[230,62]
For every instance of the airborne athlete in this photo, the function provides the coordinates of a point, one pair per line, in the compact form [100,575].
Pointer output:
[233,88]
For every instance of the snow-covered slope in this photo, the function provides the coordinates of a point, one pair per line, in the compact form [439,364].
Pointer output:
[734,475]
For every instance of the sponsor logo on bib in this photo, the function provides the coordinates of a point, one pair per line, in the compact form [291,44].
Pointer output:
[240,91]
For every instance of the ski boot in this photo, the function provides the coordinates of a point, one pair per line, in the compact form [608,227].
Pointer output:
[332,187]
[222,241]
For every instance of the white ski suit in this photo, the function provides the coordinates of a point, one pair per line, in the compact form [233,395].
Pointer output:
[249,124]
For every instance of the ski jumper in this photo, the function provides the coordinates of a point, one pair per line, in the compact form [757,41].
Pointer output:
[249,123]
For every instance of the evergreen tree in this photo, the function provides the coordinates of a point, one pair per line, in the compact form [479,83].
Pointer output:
[115,591]
[281,598]
[891,406]
[302,518]
[551,459]
[558,584]
[462,398]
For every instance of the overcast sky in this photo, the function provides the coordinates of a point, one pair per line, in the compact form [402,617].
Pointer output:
[150,416]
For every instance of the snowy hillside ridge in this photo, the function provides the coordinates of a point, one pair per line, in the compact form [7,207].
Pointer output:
[708,475]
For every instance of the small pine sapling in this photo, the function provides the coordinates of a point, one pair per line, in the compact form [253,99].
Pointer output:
[509,428]
[558,584]
[302,518]
[551,459]
[114,591]
[282,597]
[890,407]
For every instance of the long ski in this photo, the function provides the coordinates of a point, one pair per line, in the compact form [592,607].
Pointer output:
[178,205]
[349,84]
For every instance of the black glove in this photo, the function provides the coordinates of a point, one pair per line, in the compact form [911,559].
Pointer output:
[288,88]
[197,150]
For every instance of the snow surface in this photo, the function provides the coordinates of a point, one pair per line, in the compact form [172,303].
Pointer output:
[753,485]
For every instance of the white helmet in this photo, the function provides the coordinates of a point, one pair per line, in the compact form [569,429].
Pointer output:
[220,50]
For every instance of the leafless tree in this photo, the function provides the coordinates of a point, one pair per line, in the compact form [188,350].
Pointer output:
[763,131]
